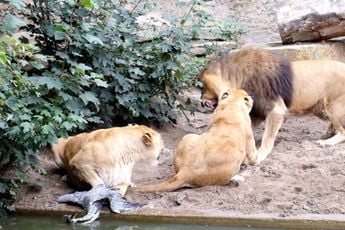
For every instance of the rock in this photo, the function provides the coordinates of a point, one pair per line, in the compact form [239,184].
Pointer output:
[311,20]
[334,50]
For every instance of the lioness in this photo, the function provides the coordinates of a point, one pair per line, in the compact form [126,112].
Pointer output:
[103,159]
[279,86]
[214,157]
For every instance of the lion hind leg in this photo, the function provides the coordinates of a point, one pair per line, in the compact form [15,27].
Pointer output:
[85,173]
[336,113]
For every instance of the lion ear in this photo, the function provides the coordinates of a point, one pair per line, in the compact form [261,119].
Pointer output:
[249,101]
[147,139]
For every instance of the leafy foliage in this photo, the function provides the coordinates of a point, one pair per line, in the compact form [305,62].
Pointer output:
[31,114]
[99,38]
[92,63]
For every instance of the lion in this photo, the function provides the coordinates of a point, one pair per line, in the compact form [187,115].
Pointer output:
[106,156]
[214,157]
[279,87]
[103,160]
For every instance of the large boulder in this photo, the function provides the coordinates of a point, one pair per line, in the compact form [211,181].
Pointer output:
[311,20]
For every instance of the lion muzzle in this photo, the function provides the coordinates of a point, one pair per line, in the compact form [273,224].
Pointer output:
[210,104]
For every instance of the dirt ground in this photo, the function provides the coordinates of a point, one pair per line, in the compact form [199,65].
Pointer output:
[298,178]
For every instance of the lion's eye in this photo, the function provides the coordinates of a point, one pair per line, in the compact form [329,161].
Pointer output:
[225,95]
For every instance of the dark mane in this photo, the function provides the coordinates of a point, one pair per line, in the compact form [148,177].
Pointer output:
[263,74]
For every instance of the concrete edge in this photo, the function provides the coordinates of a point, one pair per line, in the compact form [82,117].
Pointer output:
[202,218]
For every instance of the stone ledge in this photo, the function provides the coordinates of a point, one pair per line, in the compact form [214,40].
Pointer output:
[334,50]
[166,216]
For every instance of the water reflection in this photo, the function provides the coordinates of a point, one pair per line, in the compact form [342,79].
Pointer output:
[52,223]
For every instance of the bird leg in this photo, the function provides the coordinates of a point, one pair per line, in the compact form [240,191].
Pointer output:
[92,201]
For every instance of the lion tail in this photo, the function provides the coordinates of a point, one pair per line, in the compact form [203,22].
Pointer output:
[176,182]
[58,150]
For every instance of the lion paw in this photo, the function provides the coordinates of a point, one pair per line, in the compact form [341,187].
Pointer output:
[321,142]
[336,139]
[326,142]
[260,158]
[262,155]
[238,178]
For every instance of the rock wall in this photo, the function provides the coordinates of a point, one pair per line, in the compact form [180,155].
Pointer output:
[311,20]
[312,51]
[258,15]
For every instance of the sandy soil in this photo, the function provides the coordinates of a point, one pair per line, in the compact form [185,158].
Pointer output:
[298,178]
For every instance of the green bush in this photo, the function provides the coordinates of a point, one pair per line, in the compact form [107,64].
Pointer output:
[91,64]
[144,74]
[31,116]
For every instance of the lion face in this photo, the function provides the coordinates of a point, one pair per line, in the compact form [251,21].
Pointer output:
[154,143]
[213,85]
[237,96]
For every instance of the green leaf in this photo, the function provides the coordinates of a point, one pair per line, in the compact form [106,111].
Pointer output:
[74,106]
[47,129]
[27,126]
[101,83]
[96,120]
[37,65]
[12,23]
[71,2]
[22,176]
[82,66]
[57,119]
[51,83]
[89,97]
[13,193]
[58,28]
[93,39]
[19,4]
[13,103]
[3,57]
[25,117]
[62,55]
[3,188]
[59,35]
[87,3]
[42,171]
[138,72]
[3,125]
[65,96]
[68,125]
[41,57]
[45,113]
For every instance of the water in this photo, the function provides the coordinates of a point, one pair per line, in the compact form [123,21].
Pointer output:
[56,223]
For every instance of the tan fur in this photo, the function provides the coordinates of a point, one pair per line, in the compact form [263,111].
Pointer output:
[215,156]
[106,156]
[318,87]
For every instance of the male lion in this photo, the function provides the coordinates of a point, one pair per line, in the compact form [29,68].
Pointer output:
[103,160]
[279,86]
[214,157]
